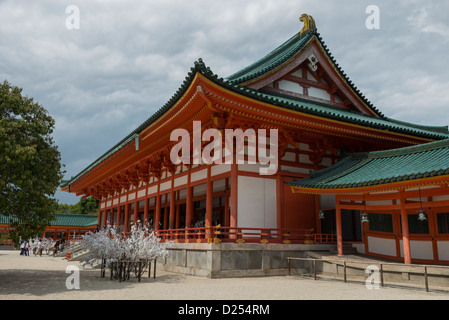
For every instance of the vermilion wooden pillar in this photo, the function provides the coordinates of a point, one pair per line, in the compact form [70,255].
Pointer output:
[145,209]
[136,210]
[119,212]
[209,198]
[279,201]
[171,224]
[226,205]
[189,201]
[178,215]
[100,217]
[111,221]
[126,224]
[234,195]
[166,213]
[405,234]
[339,227]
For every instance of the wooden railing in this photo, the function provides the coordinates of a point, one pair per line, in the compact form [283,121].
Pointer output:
[324,238]
[217,234]
[6,242]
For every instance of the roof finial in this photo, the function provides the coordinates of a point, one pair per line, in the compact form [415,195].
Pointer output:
[309,23]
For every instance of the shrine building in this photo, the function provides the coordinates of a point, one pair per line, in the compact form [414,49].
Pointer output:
[324,125]
[64,226]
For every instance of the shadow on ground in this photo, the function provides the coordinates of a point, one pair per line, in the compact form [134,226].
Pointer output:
[43,282]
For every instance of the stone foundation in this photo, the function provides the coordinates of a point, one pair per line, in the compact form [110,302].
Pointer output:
[229,260]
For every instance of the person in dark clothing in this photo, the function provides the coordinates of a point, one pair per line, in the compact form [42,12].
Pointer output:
[55,248]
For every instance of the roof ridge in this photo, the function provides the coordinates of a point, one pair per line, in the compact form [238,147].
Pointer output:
[406,150]
[440,129]
[285,45]
[340,164]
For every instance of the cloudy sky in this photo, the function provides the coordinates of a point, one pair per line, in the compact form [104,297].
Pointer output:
[127,58]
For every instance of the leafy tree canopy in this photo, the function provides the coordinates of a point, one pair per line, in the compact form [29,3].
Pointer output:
[30,168]
[84,206]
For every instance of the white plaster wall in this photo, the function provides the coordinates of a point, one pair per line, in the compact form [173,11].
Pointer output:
[441,198]
[304,146]
[219,169]
[141,193]
[380,203]
[382,246]
[165,186]
[289,156]
[303,158]
[249,167]
[152,190]
[419,249]
[202,174]
[443,250]
[256,202]
[180,181]
[290,86]
[318,93]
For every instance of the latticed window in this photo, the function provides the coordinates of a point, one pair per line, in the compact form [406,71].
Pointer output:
[380,222]
[415,226]
[443,222]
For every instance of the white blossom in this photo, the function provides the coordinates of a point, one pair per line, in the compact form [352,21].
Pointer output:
[47,244]
[110,245]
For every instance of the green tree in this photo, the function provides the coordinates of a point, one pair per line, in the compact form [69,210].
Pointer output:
[84,206]
[30,168]
[89,205]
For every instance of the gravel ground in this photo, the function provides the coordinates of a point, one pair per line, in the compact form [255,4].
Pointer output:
[44,278]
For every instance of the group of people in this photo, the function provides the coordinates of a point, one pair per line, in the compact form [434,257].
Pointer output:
[59,246]
[38,247]
[26,245]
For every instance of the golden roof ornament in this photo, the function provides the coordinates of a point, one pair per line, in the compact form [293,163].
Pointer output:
[309,23]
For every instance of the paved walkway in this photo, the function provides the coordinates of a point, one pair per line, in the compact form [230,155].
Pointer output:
[45,277]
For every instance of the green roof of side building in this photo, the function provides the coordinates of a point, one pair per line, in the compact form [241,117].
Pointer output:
[381,167]
[63,220]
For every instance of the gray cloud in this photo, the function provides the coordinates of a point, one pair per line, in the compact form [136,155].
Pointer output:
[129,57]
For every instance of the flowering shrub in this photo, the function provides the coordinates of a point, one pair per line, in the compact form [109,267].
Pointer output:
[110,246]
[47,244]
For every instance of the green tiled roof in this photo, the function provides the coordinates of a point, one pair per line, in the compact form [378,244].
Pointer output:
[75,220]
[287,51]
[274,59]
[381,167]
[62,220]
[280,55]
[336,113]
